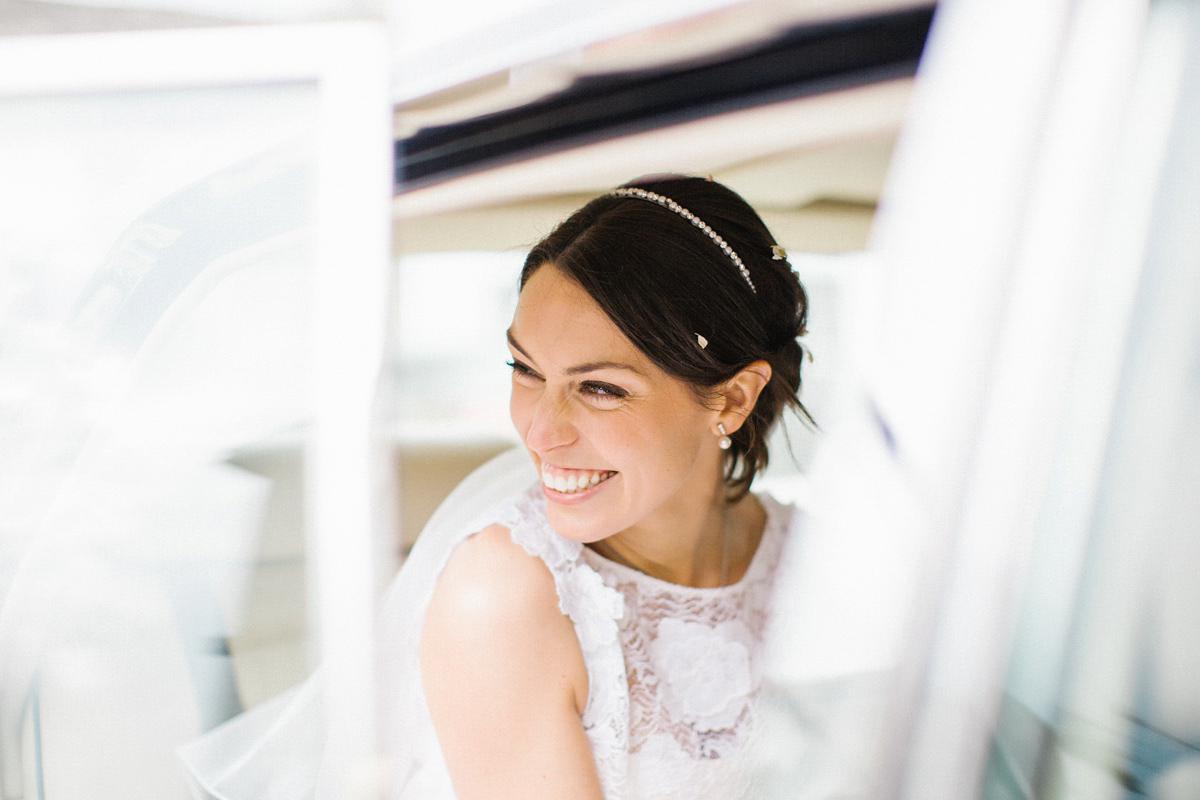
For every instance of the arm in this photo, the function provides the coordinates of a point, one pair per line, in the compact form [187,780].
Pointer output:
[505,678]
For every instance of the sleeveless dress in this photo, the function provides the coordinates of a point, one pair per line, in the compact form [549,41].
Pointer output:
[691,669]
[673,671]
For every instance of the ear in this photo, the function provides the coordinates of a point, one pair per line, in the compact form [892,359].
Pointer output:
[740,394]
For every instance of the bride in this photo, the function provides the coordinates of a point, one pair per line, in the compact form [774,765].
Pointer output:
[596,633]
[653,347]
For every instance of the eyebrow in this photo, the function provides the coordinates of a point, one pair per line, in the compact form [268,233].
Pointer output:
[579,369]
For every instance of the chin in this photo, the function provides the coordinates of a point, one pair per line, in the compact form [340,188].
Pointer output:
[577,524]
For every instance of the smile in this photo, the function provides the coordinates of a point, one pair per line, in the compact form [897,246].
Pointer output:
[572,481]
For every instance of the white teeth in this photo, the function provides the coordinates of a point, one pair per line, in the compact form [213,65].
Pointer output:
[576,481]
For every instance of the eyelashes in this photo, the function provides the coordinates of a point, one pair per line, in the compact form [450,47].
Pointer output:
[521,369]
[596,390]
[603,390]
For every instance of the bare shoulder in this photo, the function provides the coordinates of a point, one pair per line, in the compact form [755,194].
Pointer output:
[494,617]
[490,580]
[504,677]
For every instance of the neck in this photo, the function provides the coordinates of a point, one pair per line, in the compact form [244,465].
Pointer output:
[695,540]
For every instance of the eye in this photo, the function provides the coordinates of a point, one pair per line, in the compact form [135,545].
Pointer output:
[604,392]
[523,371]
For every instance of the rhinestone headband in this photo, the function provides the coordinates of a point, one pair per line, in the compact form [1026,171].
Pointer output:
[671,205]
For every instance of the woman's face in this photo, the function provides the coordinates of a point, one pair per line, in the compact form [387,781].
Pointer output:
[616,440]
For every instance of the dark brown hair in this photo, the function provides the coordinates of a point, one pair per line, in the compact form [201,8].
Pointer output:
[662,281]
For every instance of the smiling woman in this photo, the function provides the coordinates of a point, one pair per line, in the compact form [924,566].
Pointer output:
[600,635]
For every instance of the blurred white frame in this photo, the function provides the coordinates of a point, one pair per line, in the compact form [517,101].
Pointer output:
[1022,258]
[347,62]
[990,243]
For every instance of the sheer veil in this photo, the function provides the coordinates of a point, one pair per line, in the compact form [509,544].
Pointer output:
[273,751]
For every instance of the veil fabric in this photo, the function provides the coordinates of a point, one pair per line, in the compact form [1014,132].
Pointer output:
[414,757]
[274,751]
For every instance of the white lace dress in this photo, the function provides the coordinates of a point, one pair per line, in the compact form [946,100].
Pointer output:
[672,670]
[691,671]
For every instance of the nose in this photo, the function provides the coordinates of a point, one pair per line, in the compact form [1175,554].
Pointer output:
[550,423]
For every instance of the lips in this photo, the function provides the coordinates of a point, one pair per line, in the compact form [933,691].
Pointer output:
[573,481]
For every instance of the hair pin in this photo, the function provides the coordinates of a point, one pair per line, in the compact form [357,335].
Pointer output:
[778,253]
[700,340]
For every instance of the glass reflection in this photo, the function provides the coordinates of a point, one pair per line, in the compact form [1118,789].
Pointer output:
[154,257]
[1101,700]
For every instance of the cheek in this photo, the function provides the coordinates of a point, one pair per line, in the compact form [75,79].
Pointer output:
[662,444]
[686,431]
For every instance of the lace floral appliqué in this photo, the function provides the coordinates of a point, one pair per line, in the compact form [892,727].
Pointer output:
[707,674]
[691,670]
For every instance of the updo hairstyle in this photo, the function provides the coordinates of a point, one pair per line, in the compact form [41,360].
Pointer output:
[661,280]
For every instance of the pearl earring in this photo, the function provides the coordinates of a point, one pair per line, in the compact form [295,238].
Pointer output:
[724,442]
